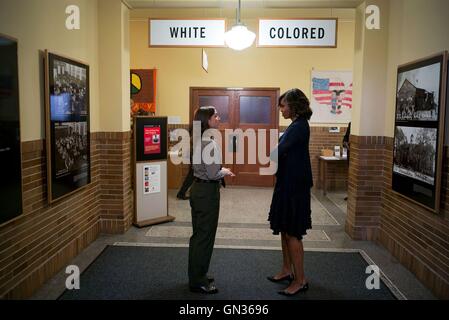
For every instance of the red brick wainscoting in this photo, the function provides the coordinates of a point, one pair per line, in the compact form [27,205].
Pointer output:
[365,187]
[418,238]
[116,197]
[44,238]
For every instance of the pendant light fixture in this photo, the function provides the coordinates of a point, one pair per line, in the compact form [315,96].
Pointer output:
[239,37]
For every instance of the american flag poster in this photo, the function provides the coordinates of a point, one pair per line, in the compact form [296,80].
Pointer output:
[331,96]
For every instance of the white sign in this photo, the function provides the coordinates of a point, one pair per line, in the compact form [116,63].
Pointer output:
[297,33]
[151,179]
[186,33]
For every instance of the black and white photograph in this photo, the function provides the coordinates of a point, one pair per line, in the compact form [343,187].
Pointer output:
[414,153]
[68,96]
[67,125]
[71,147]
[418,93]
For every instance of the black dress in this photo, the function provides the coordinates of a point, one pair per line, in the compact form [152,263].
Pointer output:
[290,207]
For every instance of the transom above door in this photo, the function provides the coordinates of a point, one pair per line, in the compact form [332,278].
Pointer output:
[241,108]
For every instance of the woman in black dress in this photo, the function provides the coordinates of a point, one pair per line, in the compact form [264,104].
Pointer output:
[290,212]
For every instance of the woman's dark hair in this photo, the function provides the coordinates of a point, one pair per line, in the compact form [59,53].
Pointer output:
[203,114]
[297,102]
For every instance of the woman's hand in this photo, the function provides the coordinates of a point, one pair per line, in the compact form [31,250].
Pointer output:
[227,172]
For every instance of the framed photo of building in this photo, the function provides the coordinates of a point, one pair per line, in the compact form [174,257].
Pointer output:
[67,125]
[419,130]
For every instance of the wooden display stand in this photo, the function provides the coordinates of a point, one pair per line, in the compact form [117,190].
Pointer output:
[150,171]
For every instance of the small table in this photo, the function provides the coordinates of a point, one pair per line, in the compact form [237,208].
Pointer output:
[322,166]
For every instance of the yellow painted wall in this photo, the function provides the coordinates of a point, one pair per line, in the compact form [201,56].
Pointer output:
[113,42]
[417,29]
[40,25]
[180,68]
[370,66]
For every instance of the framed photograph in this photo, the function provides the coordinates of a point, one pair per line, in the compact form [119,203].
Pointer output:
[67,125]
[419,130]
[151,138]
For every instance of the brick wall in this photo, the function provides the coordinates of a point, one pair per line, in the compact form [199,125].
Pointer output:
[116,197]
[365,187]
[44,238]
[418,238]
[320,138]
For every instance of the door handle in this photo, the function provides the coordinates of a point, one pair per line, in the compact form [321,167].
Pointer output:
[234,144]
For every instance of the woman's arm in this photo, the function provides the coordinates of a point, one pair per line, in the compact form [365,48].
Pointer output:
[296,135]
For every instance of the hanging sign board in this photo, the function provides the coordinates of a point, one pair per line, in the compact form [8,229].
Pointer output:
[186,33]
[297,33]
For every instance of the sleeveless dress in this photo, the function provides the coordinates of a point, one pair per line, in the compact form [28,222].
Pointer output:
[290,210]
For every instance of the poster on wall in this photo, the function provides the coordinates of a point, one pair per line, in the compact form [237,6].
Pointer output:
[331,96]
[10,148]
[151,179]
[419,130]
[150,138]
[67,125]
[143,92]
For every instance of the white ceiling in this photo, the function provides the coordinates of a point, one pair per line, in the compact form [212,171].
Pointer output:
[145,4]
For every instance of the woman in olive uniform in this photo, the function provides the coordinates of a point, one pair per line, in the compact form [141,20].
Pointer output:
[205,204]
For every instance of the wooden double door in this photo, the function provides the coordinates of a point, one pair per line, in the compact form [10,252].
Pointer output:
[241,108]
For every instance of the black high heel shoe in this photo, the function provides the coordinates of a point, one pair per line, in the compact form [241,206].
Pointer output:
[303,288]
[288,277]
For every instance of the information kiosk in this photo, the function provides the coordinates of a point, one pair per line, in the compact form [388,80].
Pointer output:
[150,171]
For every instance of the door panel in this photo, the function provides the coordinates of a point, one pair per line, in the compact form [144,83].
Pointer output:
[255,109]
[221,103]
[241,109]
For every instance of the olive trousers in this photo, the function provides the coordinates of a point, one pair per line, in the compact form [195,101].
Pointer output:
[205,205]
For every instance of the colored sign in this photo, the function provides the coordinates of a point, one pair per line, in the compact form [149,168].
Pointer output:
[297,33]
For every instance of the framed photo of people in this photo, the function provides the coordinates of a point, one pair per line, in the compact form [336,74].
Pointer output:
[67,125]
[419,130]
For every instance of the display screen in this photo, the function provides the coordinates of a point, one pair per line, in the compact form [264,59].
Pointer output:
[152,139]
[10,152]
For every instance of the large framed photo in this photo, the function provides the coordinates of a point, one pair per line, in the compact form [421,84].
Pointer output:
[419,130]
[10,144]
[67,125]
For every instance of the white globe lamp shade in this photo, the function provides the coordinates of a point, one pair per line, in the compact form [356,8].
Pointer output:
[239,37]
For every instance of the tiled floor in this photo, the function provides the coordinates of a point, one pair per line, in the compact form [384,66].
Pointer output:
[242,223]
